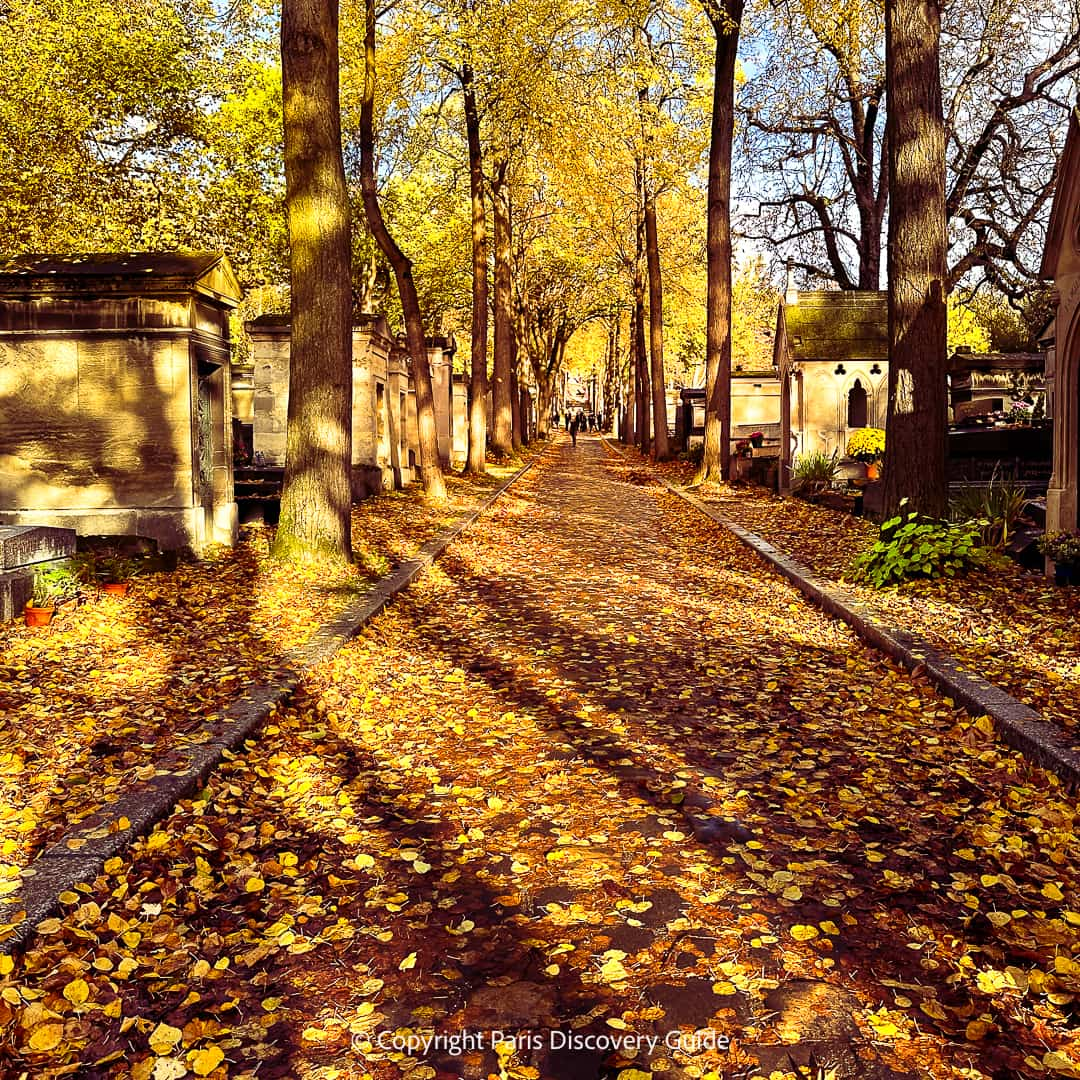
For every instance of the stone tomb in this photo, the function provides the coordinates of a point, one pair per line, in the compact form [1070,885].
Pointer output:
[115,397]
[385,454]
[831,352]
[23,549]
[1061,263]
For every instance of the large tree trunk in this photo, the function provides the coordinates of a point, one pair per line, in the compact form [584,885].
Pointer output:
[477,459]
[660,449]
[716,461]
[917,260]
[316,499]
[427,433]
[502,421]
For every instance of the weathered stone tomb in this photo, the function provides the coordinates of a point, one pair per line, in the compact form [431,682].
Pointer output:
[114,395]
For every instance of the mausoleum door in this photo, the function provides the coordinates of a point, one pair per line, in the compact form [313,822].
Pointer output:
[204,426]
[857,411]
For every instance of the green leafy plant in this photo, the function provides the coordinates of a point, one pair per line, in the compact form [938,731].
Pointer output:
[814,472]
[912,546]
[118,569]
[1062,547]
[995,509]
[866,444]
[53,586]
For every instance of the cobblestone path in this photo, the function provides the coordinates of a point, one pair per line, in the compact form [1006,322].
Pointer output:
[602,784]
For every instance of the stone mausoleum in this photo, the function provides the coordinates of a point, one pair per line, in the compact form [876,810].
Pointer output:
[385,452]
[115,395]
[1061,263]
[831,353]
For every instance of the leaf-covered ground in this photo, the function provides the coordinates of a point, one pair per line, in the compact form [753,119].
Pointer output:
[1012,626]
[599,779]
[90,703]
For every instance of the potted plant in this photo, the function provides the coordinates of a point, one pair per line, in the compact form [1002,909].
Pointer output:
[1063,549]
[115,573]
[757,438]
[742,447]
[868,446]
[51,587]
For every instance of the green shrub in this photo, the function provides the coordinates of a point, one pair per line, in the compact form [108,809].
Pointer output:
[994,509]
[54,586]
[814,472]
[911,546]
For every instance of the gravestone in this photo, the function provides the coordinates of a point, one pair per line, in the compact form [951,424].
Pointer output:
[24,548]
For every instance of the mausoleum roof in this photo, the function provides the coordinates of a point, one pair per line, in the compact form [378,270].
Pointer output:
[996,361]
[833,325]
[1066,198]
[210,273]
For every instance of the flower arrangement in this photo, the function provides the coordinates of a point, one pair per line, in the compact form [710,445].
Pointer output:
[867,445]
[1021,412]
[1061,547]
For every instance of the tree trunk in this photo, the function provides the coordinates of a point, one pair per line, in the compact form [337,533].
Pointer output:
[316,499]
[477,458]
[716,461]
[611,361]
[515,405]
[545,393]
[502,421]
[917,260]
[427,433]
[629,433]
[641,366]
[660,449]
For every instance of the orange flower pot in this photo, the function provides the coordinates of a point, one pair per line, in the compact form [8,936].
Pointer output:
[38,616]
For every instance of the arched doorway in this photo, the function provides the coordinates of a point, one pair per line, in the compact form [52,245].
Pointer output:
[857,411]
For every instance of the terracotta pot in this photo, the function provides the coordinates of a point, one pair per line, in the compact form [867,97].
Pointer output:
[115,588]
[39,616]
[873,470]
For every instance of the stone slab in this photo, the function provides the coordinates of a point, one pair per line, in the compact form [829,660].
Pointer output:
[25,545]
[16,587]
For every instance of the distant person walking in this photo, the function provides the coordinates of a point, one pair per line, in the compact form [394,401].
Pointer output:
[574,428]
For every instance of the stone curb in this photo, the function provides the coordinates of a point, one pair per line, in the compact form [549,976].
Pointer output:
[79,855]
[1018,725]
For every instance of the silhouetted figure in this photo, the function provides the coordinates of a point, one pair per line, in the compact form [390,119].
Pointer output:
[575,427]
